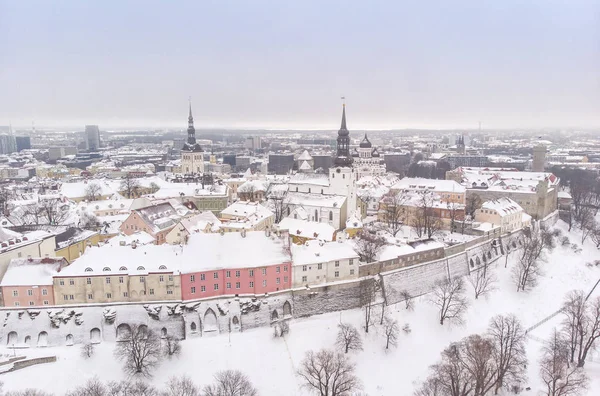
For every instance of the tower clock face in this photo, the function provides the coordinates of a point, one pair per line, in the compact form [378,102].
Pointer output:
[338,170]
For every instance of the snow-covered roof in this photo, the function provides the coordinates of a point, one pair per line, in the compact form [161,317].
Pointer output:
[308,229]
[354,221]
[564,195]
[313,252]
[32,272]
[202,253]
[305,156]
[200,221]
[305,166]
[316,179]
[159,216]
[254,186]
[502,206]
[139,237]
[417,183]
[320,200]
[243,209]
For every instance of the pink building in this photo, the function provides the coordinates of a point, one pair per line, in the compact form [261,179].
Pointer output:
[236,263]
[28,282]
[157,220]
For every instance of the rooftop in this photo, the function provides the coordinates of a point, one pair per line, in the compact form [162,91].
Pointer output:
[313,252]
[32,271]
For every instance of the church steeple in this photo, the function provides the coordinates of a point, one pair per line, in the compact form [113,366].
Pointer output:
[343,157]
[191,144]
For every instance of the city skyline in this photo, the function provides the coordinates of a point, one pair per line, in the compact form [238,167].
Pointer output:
[400,66]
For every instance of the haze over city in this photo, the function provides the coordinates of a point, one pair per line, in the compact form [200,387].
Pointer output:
[265,64]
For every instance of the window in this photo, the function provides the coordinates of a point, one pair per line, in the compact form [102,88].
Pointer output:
[46,302]
[107,280]
[120,279]
[193,290]
[285,279]
[337,263]
[17,304]
[61,282]
[125,294]
[264,271]
[251,284]
[88,281]
[277,269]
[251,273]
[351,272]
[15,293]
[202,289]
[30,292]
[215,275]
[304,268]
[304,278]
[228,274]
[237,285]
[71,282]
[108,295]
[30,302]
[216,286]
[237,274]
[202,277]
[337,274]
[351,261]
[90,296]
[44,292]
[277,281]
[66,296]
[330,216]
[192,278]
[142,279]
[161,278]
[151,291]
[265,283]
[170,278]
[320,266]
[169,291]
[285,268]
[228,285]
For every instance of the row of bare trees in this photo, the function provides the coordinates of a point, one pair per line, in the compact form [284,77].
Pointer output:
[535,245]
[480,364]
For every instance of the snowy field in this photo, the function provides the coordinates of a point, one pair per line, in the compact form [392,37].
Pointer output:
[272,363]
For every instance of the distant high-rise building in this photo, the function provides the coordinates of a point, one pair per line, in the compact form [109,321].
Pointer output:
[539,158]
[229,159]
[23,142]
[7,144]
[92,137]
[253,143]
[280,163]
[322,161]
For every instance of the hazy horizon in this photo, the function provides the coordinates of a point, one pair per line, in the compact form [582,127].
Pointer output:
[284,65]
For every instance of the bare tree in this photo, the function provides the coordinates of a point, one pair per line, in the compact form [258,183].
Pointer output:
[230,383]
[535,245]
[483,282]
[131,388]
[247,191]
[279,204]
[425,223]
[560,378]
[93,192]
[92,387]
[508,340]
[581,326]
[595,236]
[327,373]
[141,351]
[88,221]
[154,188]
[171,346]
[472,203]
[409,303]
[393,211]
[449,297]
[368,294]
[181,386]
[456,212]
[368,245]
[130,186]
[87,350]
[46,211]
[28,392]
[391,329]
[348,338]
[587,224]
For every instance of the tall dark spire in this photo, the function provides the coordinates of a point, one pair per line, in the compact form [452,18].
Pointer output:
[191,144]
[343,157]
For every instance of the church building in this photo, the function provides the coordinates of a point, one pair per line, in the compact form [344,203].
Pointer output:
[192,155]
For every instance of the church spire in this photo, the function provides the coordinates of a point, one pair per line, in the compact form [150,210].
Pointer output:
[191,144]
[343,157]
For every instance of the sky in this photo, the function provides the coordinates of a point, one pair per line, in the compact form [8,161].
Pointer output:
[286,64]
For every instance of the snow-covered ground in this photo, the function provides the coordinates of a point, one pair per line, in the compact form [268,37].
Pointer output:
[272,363]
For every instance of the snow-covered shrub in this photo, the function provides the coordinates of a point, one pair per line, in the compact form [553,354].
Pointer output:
[87,350]
[406,329]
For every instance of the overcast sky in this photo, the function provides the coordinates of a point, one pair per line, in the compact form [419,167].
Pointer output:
[285,64]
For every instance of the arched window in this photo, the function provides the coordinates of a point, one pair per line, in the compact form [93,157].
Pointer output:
[193,326]
[489,255]
[88,269]
[162,267]
[105,269]
[316,215]
[288,211]
[308,189]
[123,269]
[471,262]
[330,215]
[140,268]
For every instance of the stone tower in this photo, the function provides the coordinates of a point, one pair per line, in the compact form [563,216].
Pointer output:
[192,156]
[342,176]
[539,158]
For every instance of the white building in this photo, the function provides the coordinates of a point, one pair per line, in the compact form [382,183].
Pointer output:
[317,262]
[504,213]
[367,161]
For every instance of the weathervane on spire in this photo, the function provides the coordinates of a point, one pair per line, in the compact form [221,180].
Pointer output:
[343,101]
